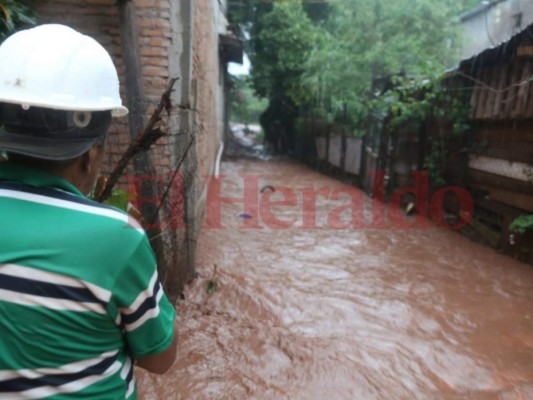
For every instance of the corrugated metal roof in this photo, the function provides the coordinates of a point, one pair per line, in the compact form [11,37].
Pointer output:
[484,6]
[503,41]
[502,48]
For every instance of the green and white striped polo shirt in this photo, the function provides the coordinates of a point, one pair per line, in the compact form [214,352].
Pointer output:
[80,298]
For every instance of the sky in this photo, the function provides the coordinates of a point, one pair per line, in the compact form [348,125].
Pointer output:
[237,69]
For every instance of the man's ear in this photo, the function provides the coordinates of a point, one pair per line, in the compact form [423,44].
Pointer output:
[85,162]
[88,159]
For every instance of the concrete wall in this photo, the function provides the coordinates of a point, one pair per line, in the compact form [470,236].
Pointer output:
[354,148]
[334,152]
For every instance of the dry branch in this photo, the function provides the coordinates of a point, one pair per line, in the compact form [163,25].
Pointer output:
[176,170]
[151,134]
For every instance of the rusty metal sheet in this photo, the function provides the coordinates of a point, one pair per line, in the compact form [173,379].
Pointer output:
[321,147]
[353,155]
[335,150]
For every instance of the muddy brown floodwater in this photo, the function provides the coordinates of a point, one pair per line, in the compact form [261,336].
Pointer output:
[347,314]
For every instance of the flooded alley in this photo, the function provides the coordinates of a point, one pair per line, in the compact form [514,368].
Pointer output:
[346,313]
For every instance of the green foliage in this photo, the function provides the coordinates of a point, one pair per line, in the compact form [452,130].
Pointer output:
[522,224]
[326,60]
[119,199]
[245,107]
[435,163]
[15,15]
[282,42]
[468,5]
[369,39]
[413,101]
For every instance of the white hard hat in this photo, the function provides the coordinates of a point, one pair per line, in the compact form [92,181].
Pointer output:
[56,67]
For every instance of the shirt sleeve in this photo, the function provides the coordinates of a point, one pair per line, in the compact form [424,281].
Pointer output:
[140,307]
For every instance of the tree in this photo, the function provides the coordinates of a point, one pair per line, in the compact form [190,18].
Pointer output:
[326,59]
[282,39]
[468,5]
[369,39]
[246,107]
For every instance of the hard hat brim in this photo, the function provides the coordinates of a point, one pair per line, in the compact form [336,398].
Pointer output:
[116,112]
[44,148]
[119,112]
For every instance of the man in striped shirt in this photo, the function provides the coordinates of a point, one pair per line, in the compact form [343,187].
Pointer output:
[80,298]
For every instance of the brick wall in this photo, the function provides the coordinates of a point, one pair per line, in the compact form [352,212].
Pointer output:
[99,19]
[161,41]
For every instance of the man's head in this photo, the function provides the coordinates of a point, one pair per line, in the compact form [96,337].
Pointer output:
[66,143]
[59,90]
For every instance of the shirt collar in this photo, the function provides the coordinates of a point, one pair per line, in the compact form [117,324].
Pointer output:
[15,173]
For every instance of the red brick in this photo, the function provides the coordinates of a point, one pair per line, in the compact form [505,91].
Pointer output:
[154,52]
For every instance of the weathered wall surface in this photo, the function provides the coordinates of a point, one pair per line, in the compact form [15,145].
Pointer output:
[207,75]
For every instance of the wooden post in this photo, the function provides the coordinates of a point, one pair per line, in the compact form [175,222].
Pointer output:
[328,137]
[343,139]
[343,151]
[142,164]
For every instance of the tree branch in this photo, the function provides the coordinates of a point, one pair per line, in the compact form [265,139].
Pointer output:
[151,134]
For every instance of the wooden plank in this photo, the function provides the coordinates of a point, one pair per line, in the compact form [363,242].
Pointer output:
[508,150]
[528,97]
[512,170]
[518,200]
[502,78]
[498,182]
[503,131]
[518,109]
[524,51]
[508,198]
[511,94]
[474,98]
[491,205]
[490,235]
[484,92]
[493,79]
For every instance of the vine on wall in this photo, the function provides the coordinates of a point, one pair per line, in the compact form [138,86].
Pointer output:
[14,15]
[420,100]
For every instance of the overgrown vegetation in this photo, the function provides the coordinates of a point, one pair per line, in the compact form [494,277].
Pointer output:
[366,40]
[246,106]
[15,15]
[282,40]
[411,101]
[522,224]
[324,59]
